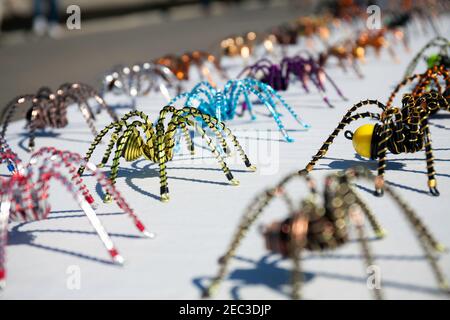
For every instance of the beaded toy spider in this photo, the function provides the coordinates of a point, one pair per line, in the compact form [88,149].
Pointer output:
[345,55]
[160,141]
[49,110]
[303,69]
[426,81]
[438,42]
[181,65]
[140,80]
[223,104]
[24,195]
[398,130]
[314,226]
[238,45]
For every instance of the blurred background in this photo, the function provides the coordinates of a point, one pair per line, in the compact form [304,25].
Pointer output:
[37,48]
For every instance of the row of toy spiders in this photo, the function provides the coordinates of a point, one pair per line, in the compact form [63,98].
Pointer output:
[398,130]
[162,74]
[278,76]
[224,103]
[47,109]
[24,195]
[318,226]
[135,136]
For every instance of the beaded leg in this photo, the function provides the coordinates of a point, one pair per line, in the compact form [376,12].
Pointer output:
[339,92]
[187,137]
[344,122]
[161,158]
[357,219]
[379,180]
[4,218]
[116,160]
[274,115]
[373,220]
[216,154]
[110,146]
[432,184]
[297,276]
[253,212]
[95,143]
[249,105]
[84,108]
[221,126]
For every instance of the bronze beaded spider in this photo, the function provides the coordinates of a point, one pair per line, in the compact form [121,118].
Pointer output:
[49,109]
[398,130]
[141,138]
[320,226]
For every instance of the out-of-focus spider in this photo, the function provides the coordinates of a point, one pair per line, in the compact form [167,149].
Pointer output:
[441,43]
[398,130]
[24,195]
[242,46]
[141,138]
[317,225]
[425,82]
[223,104]
[181,65]
[345,55]
[139,80]
[302,69]
[47,109]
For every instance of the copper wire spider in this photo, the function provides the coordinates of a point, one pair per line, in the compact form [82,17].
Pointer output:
[323,223]
[47,109]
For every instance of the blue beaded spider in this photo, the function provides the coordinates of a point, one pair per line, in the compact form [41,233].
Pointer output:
[223,104]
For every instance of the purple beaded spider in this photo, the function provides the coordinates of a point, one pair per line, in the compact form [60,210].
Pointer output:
[302,69]
[223,104]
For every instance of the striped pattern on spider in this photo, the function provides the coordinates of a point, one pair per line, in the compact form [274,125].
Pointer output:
[48,109]
[319,225]
[398,130]
[223,103]
[24,196]
[135,136]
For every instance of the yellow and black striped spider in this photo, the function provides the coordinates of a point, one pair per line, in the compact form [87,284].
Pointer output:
[156,142]
[317,226]
[399,130]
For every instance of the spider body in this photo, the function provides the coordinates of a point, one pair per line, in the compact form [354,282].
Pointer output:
[24,195]
[141,138]
[302,69]
[223,104]
[325,225]
[49,109]
[139,80]
[181,65]
[399,130]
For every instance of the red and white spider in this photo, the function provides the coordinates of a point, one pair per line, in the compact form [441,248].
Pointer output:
[24,195]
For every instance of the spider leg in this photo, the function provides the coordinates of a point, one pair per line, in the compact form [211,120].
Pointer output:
[187,137]
[379,231]
[162,159]
[357,219]
[339,92]
[4,218]
[96,142]
[386,134]
[121,145]
[10,109]
[221,126]
[432,184]
[297,276]
[216,153]
[347,119]
[251,215]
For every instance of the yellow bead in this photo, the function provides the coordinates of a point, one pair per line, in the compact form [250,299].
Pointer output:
[362,140]
[234,182]
[107,198]
[165,197]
